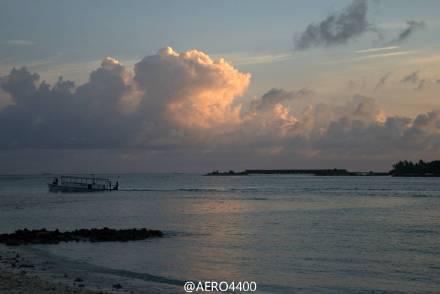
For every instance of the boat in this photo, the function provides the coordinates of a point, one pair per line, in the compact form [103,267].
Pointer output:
[81,184]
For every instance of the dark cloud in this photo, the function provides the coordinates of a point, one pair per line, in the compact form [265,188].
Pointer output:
[275,96]
[419,82]
[412,78]
[421,85]
[60,116]
[397,134]
[382,81]
[337,28]
[412,27]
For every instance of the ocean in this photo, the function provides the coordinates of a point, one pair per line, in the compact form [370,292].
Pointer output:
[289,234]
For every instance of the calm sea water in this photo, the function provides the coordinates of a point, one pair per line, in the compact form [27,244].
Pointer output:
[290,234]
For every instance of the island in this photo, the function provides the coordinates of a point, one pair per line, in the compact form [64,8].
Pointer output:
[314,172]
[418,169]
[400,169]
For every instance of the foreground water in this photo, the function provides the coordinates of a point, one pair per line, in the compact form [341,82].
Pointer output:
[290,234]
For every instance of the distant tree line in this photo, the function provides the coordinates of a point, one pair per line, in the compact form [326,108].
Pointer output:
[421,168]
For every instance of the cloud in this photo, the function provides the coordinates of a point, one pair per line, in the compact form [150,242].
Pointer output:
[359,128]
[278,96]
[247,58]
[412,27]
[382,81]
[62,116]
[168,95]
[20,42]
[419,82]
[377,49]
[411,78]
[187,106]
[342,27]
[336,29]
[421,85]
[192,89]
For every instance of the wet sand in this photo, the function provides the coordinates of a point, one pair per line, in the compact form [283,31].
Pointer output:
[27,270]
[23,283]
[17,277]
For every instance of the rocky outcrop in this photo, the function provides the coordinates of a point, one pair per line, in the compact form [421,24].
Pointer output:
[43,236]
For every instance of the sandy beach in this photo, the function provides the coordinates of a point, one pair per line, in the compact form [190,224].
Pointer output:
[23,283]
[28,270]
[17,277]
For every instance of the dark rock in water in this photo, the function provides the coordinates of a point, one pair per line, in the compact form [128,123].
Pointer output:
[43,236]
[117,286]
[78,280]
[26,266]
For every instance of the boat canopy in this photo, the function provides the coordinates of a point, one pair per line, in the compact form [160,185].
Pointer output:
[84,180]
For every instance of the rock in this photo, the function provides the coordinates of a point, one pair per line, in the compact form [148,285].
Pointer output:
[26,266]
[43,236]
[117,286]
[78,280]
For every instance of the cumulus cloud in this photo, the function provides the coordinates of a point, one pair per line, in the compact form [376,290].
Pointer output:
[359,127]
[188,103]
[167,95]
[61,115]
[191,88]
[337,28]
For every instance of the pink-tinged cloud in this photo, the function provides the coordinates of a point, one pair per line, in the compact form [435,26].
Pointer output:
[191,89]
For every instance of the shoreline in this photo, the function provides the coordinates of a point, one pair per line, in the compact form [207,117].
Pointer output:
[30,269]
[23,283]
[18,276]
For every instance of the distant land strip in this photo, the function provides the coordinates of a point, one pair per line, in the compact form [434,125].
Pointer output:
[315,172]
[400,169]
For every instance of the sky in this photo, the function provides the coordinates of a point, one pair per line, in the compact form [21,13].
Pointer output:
[194,86]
